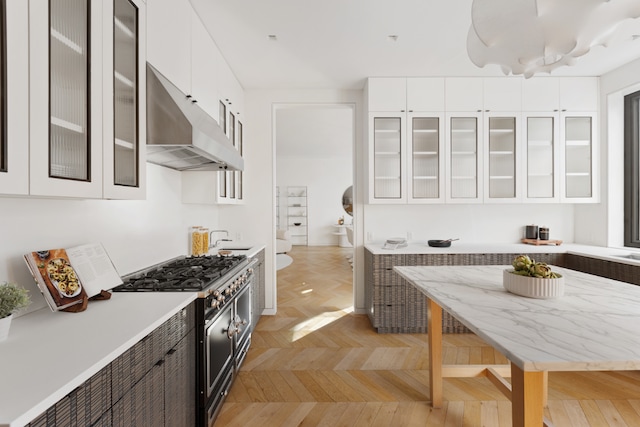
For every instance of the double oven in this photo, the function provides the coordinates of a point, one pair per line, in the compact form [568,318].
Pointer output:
[223,317]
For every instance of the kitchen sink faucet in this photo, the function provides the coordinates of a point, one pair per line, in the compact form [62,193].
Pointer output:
[215,243]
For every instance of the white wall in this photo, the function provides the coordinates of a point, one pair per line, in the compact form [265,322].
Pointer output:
[471,223]
[603,224]
[135,233]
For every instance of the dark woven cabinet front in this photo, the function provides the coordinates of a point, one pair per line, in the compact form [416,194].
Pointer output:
[395,306]
[150,384]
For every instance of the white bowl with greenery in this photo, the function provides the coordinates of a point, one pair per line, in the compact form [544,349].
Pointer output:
[532,279]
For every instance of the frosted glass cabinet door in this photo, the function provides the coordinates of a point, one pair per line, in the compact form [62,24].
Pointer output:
[125,98]
[501,161]
[426,159]
[541,163]
[388,154]
[578,156]
[463,158]
[66,94]
[69,90]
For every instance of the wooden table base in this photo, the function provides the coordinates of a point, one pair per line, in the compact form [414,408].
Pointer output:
[527,390]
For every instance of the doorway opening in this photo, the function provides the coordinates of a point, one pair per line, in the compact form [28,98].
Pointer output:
[314,167]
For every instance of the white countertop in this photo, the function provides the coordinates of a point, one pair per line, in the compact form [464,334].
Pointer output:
[600,252]
[594,326]
[48,354]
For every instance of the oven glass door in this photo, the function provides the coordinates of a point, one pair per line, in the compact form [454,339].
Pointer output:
[219,347]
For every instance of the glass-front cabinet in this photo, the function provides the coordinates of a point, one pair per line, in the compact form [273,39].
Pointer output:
[387,159]
[14,104]
[426,158]
[541,158]
[86,96]
[578,134]
[501,157]
[464,158]
[124,160]
[560,158]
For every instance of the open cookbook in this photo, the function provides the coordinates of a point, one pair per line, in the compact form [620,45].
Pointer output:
[71,276]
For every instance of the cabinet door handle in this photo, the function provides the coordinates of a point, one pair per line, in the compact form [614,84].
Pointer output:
[170,352]
[159,363]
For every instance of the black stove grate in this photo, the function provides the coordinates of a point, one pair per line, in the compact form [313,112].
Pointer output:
[184,274]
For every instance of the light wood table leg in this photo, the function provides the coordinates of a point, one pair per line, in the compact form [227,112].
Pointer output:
[434,334]
[527,397]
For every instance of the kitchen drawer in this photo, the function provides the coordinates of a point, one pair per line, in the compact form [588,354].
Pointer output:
[380,262]
[134,363]
[84,406]
[389,317]
[142,405]
[393,294]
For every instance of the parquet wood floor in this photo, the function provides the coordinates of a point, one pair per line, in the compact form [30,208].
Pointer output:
[315,363]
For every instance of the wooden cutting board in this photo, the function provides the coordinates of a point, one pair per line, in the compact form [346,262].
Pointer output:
[539,242]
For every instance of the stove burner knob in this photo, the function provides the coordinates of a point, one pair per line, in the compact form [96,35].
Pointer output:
[227,291]
[216,293]
[215,303]
[250,270]
[220,298]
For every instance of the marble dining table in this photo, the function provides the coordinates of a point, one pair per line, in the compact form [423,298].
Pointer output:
[594,326]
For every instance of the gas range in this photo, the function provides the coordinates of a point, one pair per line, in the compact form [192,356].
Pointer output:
[202,274]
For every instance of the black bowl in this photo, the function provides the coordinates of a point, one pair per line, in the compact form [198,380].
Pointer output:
[439,243]
[297,224]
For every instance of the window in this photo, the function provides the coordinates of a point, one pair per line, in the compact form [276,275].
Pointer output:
[632,170]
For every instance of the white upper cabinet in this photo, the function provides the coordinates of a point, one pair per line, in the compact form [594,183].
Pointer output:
[205,71]
[560,94]
[387,158]
[540,158]
[579,94]
[169,40]
[387,94]
[579,158]
[541,94]
[14,153]
[66,105]
[425,158]
[464,94]
[464,164]
[125,130]
[425,94]
[502,94]
[502,157]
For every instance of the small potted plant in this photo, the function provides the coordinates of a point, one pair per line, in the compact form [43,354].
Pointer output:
[12,299]
[533,279]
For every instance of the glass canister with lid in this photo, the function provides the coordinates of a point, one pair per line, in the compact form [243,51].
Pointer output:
[205,240]
[195,241]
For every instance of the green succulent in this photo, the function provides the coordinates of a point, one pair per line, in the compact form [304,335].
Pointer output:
[12,298]
[525,266]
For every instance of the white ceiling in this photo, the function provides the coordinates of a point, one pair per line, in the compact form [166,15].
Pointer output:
[336,44]
[317,131]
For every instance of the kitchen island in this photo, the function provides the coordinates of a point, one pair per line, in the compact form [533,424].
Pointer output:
[595,326]
[393,306]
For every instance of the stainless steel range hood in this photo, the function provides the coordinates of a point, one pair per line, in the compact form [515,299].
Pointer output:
[180,134]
